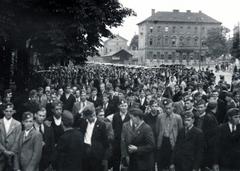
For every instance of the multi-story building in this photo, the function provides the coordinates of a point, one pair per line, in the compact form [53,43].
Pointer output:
[174,37]
[114,45]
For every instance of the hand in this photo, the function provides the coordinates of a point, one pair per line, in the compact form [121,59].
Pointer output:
[215,167]
[132,148]
[9,153]
[172,167]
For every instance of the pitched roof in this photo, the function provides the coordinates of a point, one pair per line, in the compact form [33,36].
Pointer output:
[116,36]
[120,51]
[177,16]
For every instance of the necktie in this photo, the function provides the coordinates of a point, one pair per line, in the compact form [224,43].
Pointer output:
[41,129]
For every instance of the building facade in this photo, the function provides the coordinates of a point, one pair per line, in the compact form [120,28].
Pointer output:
[114,45]
[174,37]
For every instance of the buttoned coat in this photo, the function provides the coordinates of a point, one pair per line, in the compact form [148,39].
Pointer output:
[143,139]
[176,125]
[29,151]
[9,141]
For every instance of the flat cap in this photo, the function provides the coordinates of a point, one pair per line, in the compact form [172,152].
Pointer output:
[233,112]
[27,115]
[136,112]
[167,102]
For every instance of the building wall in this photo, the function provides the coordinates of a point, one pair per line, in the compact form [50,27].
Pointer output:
[172,42]
[114,45]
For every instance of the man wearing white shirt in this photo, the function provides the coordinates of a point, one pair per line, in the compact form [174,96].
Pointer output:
[10,132]
[226,153]
[95,140]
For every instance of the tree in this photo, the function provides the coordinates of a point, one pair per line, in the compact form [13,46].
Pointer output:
[58,30]
[235,49]
[217,42]
[134,43]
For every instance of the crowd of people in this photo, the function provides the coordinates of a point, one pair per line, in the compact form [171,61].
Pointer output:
[107,117]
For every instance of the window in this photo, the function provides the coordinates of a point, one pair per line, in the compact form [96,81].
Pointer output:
[162,56]
[189,27]
[189,41]
[159,28]
[151,29]
[151,42]
[174,41]
[150,54]
[195,41]
[158,55]
[166,40]
[169,57]
[181,43]
[195,29]
[166,29]
[159,41]
[174,29]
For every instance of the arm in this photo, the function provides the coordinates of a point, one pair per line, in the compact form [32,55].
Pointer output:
[17,137]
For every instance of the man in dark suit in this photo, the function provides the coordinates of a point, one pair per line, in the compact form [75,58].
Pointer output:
[69,150]
[48,139]
[227,147]
[137,143]
[208,124]
[95,140]
[55,121]
[97,101]
[142,100]
[117,123]
[68,99]
[107,107]
[188,151]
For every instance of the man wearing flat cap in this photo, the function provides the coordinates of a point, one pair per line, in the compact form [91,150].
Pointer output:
[167,125]
[137,143]
[227,147]
[70,146]
[118,120]
[29,146]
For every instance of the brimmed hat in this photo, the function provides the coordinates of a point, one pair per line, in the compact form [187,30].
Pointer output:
[233,112]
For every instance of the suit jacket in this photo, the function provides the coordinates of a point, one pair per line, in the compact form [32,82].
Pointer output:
[188,151]
[68,103]
[29,151]
[109,110]
[70,151]
[142,106]
[143,138]
[48,147]
[176,125]
[97,102]
[9,141]
[77,107]
[227,147]
[99,139]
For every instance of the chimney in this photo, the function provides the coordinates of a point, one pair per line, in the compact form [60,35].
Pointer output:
[200,12]
[188,11]
[175,10]
[153,11]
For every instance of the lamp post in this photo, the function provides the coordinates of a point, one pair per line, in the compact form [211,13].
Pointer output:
[200,45]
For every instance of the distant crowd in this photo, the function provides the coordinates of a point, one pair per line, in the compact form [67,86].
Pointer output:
[107,117]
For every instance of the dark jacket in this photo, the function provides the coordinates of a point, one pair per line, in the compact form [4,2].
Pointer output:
[188,151]
[227,148]
[68,103]
[70,151]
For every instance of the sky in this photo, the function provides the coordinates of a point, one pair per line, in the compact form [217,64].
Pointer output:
[227,12]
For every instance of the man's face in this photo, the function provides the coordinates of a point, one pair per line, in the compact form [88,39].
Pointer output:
[154,107]
[235,119]
[28,123]
[142,94]
[101,114]
[91,117]
[68,90]
[102,87]
[8,112]
[237,98]
[188,105]
[105,99]
[60,91]
[94,93]
[58,111]
[200,109]
[40,117]
[188,122]
[77,93]
[83,96]
[168,109]
[123,107]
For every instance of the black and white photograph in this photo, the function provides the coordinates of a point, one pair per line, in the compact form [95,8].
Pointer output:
[119,85]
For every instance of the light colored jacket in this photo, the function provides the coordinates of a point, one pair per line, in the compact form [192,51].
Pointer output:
[176,125]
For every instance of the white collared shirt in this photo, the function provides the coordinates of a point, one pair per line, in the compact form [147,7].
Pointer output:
[123,115]
[39,127]
[7,124]
[202,115]
[89,131]
[232,127]
[57,121]
[26,132]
